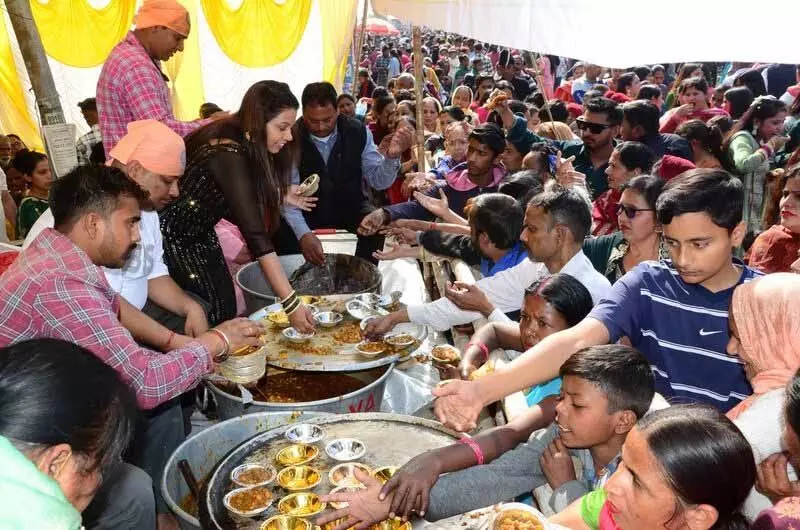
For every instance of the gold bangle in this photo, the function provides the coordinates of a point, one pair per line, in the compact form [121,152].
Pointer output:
[293,308]
[291,305]
[287,300]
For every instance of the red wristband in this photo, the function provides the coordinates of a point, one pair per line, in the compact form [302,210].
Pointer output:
[467,440]
[482,347]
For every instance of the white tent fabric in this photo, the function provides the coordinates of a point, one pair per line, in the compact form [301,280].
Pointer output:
[619,33]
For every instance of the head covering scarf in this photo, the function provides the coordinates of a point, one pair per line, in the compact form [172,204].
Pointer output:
[167,13]
[767,317]
[155,146]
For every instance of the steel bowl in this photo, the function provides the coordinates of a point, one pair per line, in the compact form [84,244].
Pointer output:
[444,349]
[343,474]
[329,319]
[296,454]
[292,335]
[301,504]
[345,449]
[243,475]
[286,522]
[383,474]
[298,478]
[368,298]
[228,501]
[350,488]
[399,341]
[362,346]
[305,433]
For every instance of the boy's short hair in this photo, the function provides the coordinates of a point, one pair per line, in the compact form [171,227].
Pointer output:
[648,92]
[711,191]
[498,216]
[621,372]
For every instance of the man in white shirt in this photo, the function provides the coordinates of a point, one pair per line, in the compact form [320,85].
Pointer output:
[154,156]
[556,223]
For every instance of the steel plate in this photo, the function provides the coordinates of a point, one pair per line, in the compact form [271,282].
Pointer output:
[343,357]
[379,432]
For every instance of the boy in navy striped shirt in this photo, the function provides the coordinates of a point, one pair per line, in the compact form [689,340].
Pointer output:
[675,312]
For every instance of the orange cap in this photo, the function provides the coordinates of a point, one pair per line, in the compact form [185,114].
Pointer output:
[154,145]
[167,13]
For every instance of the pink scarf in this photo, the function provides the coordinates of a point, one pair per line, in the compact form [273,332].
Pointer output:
[767,317]
[458,179]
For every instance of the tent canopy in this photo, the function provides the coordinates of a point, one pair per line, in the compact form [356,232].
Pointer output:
[619,33]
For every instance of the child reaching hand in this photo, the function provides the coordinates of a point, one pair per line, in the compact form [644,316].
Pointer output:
[605,391]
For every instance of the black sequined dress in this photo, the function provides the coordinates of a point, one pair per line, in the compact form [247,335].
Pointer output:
[217,184]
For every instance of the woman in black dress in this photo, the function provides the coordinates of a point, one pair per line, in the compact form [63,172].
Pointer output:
[237,168]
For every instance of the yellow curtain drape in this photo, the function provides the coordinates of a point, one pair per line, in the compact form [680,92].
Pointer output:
[76,34]
[260,32]
[185,72]
[14,115]
[338,20]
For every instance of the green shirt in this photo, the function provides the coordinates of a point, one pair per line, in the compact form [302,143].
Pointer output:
[591,505]
[29,498]
[29,211]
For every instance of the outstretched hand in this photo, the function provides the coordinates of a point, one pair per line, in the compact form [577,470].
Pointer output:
[365,506]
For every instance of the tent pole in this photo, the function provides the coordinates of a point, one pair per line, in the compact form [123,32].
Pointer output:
[30,45]
[361,38]
[419,82]
[540,81]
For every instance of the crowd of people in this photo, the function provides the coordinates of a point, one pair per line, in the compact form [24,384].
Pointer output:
[635,231]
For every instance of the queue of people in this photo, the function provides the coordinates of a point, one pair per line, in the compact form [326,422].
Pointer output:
[606,211]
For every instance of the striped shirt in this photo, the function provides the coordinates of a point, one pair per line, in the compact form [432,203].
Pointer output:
[682,329]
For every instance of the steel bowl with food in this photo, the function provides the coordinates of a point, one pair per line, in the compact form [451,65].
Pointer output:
[251,475]
[371,348]
[399,341]
[296,454]
[446,354]
[516,519]
[248,502]
[299,478]
[345,449]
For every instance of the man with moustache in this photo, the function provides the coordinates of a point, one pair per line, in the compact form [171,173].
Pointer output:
[87,272]
[154,157]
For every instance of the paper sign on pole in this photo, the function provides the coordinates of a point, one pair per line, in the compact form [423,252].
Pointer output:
[60,142]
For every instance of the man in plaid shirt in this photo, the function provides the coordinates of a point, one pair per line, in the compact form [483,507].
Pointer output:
[132,86]
[56,289]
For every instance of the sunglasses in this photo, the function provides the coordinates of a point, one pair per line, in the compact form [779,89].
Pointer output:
[594,128]
[630,211]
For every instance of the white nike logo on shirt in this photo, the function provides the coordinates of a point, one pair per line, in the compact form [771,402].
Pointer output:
[704,333]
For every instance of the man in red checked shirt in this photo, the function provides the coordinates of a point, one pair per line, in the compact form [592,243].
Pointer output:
[132,86]
[56,289]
